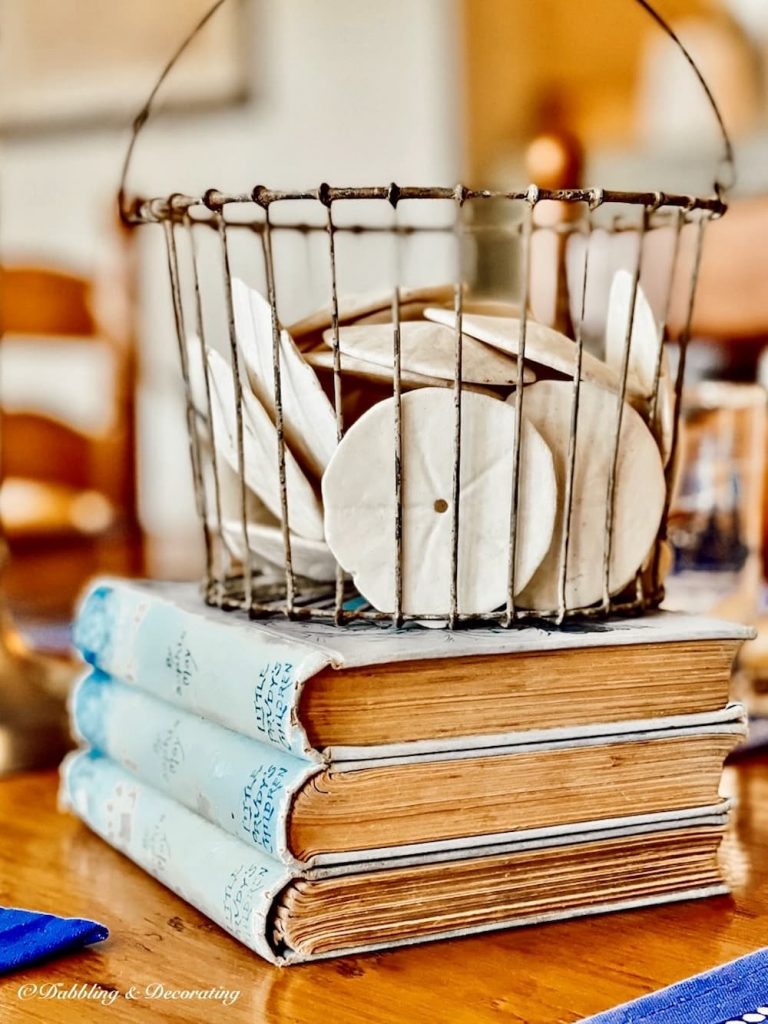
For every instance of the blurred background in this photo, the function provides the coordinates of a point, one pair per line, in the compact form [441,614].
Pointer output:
[493,93]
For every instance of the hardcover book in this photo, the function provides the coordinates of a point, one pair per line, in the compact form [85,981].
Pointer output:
[309,813]
[369,691]
[288,915]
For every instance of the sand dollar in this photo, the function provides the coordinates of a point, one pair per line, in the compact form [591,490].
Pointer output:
[322,359]
[645,339]
[308,417]
[260,452]
[645,348]
[429,349]
[310,558]
[639,493]
[359,502]
[356,306]
[543,345]
[230,497]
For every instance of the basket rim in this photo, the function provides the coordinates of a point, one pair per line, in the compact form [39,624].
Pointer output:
[176,205]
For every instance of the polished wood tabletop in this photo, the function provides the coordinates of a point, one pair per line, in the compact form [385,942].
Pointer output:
[166,962]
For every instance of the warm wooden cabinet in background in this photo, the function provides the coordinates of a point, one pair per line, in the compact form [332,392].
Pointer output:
[529,64]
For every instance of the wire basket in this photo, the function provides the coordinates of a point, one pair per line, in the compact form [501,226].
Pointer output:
[431,420]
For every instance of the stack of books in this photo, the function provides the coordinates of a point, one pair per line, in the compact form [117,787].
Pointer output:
[319,791]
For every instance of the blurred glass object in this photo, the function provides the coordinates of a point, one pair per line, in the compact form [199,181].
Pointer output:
[715,525]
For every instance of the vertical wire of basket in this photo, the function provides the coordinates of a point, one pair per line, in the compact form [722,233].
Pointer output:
[251,217]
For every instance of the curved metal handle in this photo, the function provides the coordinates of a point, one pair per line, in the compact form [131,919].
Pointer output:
[724,178]
[127,209]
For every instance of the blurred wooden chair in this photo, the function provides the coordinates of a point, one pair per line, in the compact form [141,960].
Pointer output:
[67,441]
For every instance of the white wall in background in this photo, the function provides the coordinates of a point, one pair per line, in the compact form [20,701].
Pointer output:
[344,91]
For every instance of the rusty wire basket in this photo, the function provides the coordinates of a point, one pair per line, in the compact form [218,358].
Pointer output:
[399,237]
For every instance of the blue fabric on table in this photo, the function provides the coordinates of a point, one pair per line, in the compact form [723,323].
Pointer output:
[26,936]
[736,993]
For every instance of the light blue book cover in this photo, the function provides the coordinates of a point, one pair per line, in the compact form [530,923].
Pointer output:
[232,883]
[243,786]
[248,675]
[242,678]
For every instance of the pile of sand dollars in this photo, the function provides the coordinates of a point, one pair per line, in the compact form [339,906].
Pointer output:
[341,496]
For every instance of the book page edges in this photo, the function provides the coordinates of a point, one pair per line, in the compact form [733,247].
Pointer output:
[467,845]
[732,720]
[520,922]
[731,714]
[529,839]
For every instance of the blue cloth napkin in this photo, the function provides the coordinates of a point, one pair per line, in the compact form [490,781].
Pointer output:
[736,993]
[26,937]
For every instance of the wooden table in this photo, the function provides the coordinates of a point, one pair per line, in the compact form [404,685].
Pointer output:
[555,973]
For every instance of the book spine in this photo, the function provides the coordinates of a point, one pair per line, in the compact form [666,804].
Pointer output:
[231,883]
[243,786]
[244,679]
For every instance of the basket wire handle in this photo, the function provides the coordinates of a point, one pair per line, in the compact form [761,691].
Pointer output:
[724,178]
[128,210]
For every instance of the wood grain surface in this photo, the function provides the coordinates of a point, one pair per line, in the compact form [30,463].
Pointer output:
[556,973]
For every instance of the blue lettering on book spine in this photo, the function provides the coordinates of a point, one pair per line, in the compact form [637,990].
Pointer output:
[259,807]
[241,891]
[272,701]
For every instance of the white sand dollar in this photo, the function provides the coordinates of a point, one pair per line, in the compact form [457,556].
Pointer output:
[645,339]
[322,359]
[543,345]
[231,498]
[309,421]
[664,419]
[260,453]
[310,558]
[645,348]
[429,349]
[355,306]
[360,505]
[638,496]
[196,371]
